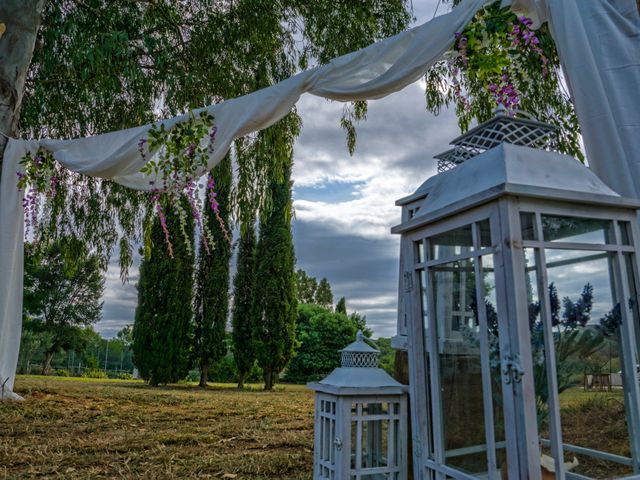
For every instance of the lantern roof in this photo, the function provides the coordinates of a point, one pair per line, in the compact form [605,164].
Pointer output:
[509,169]
[360,345]
[515,127]
[359,373]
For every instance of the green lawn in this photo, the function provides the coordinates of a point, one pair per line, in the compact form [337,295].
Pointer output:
[84,428]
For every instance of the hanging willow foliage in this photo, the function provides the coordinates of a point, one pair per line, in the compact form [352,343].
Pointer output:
[103,65]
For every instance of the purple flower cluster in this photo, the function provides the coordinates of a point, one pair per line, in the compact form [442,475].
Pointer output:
[505,93]
[211,186]
[30,204]
[522,34]
[212,137]
[462,42]
[215,206]
[195,210]
[163,220]
[141,143]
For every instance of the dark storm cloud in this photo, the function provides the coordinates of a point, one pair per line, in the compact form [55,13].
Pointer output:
[365,271]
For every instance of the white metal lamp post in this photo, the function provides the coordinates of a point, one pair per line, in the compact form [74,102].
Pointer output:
[360,420]
[517,264]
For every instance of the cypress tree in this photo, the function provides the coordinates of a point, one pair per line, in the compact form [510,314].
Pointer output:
[276,297]
[161,332]
[212,279]
[341,307]
[244,322]
[324,295]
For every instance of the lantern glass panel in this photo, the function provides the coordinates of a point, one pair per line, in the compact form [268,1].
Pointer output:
[419,251]
[451,243]
[423,297]
[463,428]
[585,317]
[527,222]
[625,233]
[557,228]
[493,341]
[484,228]
[375,437]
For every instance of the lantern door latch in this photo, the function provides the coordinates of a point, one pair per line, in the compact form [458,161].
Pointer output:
[511,369]
[338,443]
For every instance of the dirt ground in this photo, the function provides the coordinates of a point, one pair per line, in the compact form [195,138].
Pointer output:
[80,428]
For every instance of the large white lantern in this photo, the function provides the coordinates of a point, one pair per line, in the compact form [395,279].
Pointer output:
[360,420]
[519,277]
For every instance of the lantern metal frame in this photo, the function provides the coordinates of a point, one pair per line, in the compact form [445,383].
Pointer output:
[501,207]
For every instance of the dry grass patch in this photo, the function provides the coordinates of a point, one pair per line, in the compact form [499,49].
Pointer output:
[85,428]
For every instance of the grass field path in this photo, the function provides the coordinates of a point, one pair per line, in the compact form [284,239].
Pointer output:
[79,428]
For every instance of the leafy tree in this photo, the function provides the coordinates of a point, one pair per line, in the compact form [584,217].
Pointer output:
[360,321]
[387,355]
[33,345]
[63,287]
[212,278]
[243,320]
[306,287]
[341,307]
[125,336]
[321,334]
[276,299]
[162,328]
[324,296]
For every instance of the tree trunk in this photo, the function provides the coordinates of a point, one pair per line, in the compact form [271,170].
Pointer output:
[268,379]
[153,381]
[204,372]
[46,368]
[21,19]
[240,380]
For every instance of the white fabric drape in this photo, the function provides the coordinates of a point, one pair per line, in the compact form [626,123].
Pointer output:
[598,43]
[373,72]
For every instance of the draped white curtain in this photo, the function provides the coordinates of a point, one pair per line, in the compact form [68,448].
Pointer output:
[598,42]
[373,72]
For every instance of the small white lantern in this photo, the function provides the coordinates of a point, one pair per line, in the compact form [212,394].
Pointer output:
[360,420]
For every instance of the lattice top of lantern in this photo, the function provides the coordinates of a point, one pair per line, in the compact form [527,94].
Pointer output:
[360,354]
[518,128]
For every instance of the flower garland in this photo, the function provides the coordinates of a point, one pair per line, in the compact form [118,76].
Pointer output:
[38,178]
[495,52]
[179,155]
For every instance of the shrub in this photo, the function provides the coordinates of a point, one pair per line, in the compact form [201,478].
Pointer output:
[125,376]
[193,375]
[62,373]
[94,373]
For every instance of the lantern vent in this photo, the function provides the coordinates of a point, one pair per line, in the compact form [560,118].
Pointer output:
[517,127]
[359,354]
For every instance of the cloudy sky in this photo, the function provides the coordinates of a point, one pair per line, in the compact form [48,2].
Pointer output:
[344,204]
